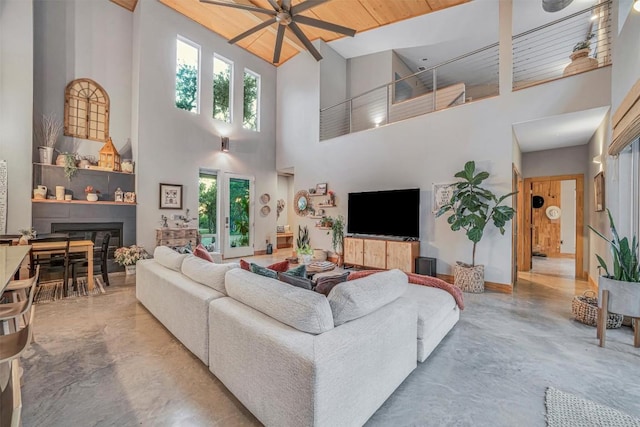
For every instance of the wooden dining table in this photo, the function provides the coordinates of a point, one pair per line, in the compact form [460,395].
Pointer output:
[75,246]
[11,258]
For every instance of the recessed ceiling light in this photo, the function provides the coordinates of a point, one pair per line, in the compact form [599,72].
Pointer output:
[636,5]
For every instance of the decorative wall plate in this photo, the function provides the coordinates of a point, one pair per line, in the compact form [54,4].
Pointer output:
[553,212]
[265,198]
[265,210]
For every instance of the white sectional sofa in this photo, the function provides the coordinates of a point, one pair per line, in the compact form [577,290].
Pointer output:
[294,357]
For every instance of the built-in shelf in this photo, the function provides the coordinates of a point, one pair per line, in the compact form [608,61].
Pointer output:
[318,195]
[82,202]
[326,206]
[81,169]
[317,217]
[323,228]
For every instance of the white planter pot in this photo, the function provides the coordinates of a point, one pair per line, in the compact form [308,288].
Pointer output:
[624,297]
[93,197]
[468,278]
[305,259]
[130,269]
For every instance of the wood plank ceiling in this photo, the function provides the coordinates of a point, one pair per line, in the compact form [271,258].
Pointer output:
[360,15]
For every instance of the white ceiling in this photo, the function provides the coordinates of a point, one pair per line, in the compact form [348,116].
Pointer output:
[563,130]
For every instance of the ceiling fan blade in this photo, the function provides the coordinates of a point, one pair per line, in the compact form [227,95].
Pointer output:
[286,4]
[241,6]
[305,41]
[274,4]
[301,19]
[278,48]
[301,7]
[250,31]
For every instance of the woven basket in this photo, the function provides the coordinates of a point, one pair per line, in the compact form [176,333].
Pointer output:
[468,278]
[585,310]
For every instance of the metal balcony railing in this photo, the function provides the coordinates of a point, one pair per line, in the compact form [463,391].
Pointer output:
[463,79]
[546,53]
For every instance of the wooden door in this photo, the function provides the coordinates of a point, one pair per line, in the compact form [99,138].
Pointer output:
[353,251]
[375,253]
[402,255]
[545,237]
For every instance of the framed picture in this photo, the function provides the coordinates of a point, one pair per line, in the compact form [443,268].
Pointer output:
[441,195]
[170,196]
[598,186]
[321,189]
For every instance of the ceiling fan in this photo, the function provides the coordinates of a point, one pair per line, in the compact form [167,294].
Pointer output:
[286,16]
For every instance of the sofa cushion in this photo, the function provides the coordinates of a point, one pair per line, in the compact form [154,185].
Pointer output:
[301,282]
[263,271]
[279,267]
[201,252]
[300,271]
[353,299]
[303,310]
[325,284]
[169,258]
[206,273]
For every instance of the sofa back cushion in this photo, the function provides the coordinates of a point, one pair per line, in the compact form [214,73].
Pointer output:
[303,310]
[168,257]
[353,299]
[207,273]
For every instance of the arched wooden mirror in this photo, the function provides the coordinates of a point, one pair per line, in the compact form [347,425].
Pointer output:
[301,203]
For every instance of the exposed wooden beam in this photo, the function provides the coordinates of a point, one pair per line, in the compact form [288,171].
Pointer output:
[127,4]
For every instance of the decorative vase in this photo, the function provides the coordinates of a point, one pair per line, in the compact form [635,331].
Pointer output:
[24,240]
[92,197]
[580,62]
[469,278]
[130,269]
[46,155]
[59,192]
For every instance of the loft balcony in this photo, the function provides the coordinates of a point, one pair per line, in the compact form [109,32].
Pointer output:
[574,44]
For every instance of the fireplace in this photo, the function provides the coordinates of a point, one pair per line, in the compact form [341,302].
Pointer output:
[94,231]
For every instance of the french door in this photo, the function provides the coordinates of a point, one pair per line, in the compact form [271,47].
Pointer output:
[238,220]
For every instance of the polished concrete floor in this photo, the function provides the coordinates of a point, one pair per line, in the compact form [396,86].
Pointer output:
[105,361]
[554,266]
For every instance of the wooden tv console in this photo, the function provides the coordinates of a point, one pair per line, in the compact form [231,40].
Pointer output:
[381,254]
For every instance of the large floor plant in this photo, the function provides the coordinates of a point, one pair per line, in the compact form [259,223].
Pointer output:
[471,208]
[619,288]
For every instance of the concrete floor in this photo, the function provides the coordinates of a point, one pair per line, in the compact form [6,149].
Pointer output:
[105,361]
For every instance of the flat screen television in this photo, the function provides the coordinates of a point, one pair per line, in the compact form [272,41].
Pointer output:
[385,213]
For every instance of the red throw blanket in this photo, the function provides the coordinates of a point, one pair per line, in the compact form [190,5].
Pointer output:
[418,279]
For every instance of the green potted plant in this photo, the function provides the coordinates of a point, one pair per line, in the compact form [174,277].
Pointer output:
[304,251]
[472,208]
[337,236]
[621,283]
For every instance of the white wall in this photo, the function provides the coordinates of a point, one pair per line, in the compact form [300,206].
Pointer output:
[16,107]
[568,217]
[333,76]
[84,39]
[626,61]
[420,151]
[560,161]
[369,71]
[172,144]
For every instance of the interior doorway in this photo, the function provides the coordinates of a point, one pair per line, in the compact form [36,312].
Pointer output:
[553,218]
[285,214]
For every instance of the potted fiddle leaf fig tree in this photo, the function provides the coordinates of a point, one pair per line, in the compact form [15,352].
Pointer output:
[621,283]
[471,209]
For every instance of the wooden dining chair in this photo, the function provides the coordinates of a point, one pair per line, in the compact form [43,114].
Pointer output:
[100,257]
[13,311]
[52,263]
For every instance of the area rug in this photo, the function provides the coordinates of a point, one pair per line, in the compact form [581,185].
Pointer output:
[568,410]
[53,291]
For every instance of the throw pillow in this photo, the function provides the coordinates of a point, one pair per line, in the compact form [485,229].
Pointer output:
[245,265]
[324,284]
[186,249]
[299,271]
[300,282]
[201,252]
[279,267]
[263,271]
